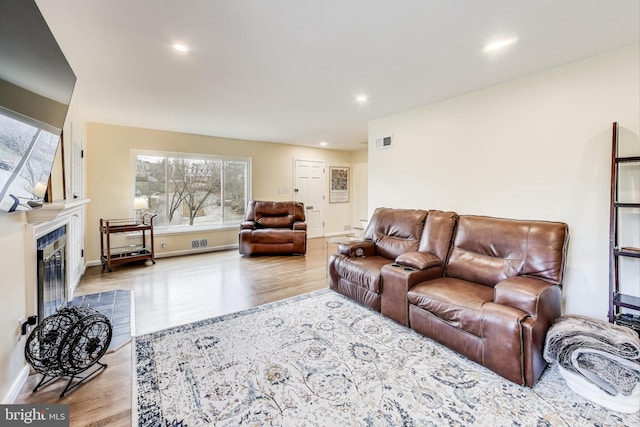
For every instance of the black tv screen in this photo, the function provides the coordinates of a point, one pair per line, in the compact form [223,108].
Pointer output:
[36,83]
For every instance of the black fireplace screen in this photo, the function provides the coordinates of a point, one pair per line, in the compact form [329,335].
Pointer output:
[52,290]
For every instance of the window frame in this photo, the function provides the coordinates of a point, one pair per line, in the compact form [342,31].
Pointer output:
[186,229]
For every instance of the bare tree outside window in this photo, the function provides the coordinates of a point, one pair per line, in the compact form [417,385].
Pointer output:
[186,191]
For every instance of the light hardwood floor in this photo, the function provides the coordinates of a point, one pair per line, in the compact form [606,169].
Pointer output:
[173,292]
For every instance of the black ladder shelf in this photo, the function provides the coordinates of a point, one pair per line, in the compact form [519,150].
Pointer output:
[617,298]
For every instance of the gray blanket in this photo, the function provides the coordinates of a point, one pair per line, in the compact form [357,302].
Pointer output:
[602,353]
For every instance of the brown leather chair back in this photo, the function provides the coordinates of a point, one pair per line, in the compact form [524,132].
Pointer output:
[395,231]
[487,250]
[268,214]
[438,232]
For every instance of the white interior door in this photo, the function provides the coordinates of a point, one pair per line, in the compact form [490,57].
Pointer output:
[309,188]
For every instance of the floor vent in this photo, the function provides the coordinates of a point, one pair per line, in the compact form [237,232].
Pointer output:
[202,243]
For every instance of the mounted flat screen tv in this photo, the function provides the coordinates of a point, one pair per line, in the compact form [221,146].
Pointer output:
[36,83]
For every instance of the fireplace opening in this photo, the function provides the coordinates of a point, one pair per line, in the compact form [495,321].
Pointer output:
[52,289]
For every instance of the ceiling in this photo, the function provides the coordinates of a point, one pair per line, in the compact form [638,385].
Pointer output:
[288,71]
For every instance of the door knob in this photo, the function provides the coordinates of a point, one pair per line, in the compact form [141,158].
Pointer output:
[309,208]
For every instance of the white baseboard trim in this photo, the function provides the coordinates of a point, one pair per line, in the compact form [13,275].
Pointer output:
[94,263]
[14,391]
[197,251]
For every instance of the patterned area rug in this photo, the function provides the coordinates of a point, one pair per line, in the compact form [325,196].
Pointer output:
[323,360]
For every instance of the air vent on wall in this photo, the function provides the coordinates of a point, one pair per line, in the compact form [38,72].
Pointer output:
[384,142]
[201,243]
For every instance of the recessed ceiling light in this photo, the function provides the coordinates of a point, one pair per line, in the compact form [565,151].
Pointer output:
[500,44]
[362,98]
[180,47]
[324,143]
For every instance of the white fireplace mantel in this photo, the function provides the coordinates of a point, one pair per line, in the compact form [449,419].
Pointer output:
[45,219]
[50,211]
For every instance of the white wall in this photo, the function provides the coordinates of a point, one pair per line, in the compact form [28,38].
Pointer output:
[360,175]
[17,287]
[110,182]
[533,148]
[13,303]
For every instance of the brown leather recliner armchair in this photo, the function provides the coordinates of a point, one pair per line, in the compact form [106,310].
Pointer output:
[273,228]
[500,293]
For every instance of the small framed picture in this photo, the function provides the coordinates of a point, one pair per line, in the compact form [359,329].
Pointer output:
[339,192]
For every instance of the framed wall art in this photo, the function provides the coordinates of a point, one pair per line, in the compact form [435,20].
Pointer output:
[339,192]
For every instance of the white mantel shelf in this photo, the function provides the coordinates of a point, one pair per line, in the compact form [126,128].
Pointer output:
[51,211]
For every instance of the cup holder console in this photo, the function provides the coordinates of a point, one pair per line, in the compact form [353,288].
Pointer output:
[403,267]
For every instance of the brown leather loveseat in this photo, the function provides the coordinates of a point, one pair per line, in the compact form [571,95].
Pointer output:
[492,299]
[273,228]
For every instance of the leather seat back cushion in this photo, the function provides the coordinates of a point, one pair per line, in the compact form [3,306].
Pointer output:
[438,232]
[457,302]
[395,231]
[487,250]
[270,214]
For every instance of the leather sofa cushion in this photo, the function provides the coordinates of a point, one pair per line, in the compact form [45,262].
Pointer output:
[364,272]
[487,250]
[419,260]
[276,236]
[455,301]
[275,221]
[524,293]
[484,269]
[270,214]
[395,231]
[437,234]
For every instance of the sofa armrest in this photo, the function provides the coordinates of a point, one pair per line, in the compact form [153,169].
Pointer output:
[247,225]
[350,249]
[299,225]
[397,280]
[419,260]
[502,336]
[531,295]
